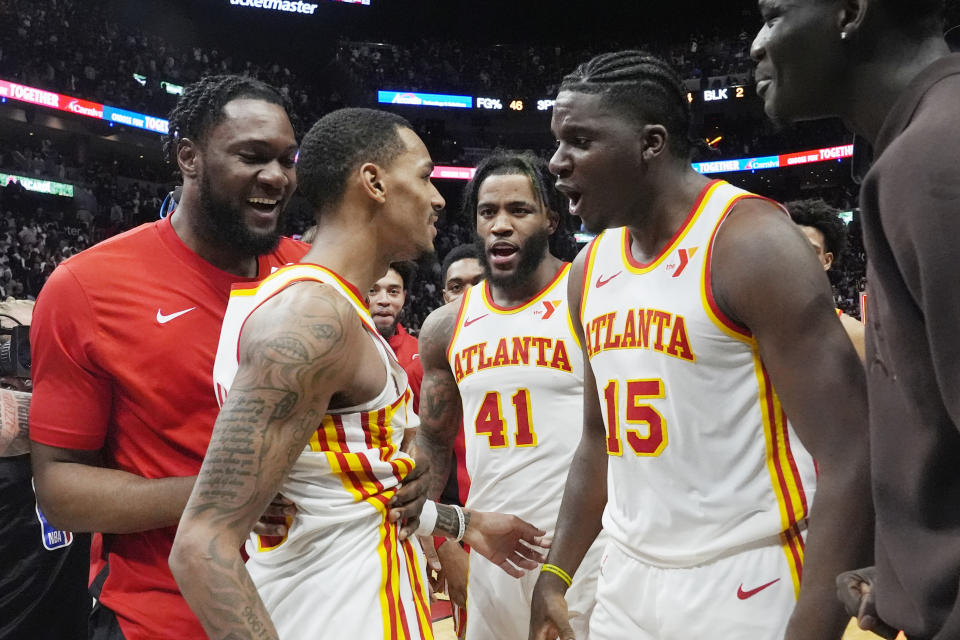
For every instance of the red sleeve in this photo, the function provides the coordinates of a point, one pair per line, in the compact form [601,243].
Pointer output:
[71,400]
[415,378]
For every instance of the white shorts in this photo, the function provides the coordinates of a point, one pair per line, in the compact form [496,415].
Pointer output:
[498,605]
[745,596]
[358,582]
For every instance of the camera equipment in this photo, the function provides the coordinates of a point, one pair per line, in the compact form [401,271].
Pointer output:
[15,352]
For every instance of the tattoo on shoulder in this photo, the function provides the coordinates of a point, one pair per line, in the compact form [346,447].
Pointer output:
[271,409]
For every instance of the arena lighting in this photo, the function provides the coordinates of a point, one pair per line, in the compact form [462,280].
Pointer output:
[775,162]
[453,173]
[414,99]
[86,108]
[714,166]
[38,185]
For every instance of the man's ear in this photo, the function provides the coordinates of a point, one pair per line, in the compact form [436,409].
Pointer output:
[189,158]
[851,15]
[553,220]
[827,260]
[653,138]
[372,182]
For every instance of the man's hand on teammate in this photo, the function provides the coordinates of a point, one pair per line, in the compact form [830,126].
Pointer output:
[455,563]
[507,541]
[434,568]
[549,616]
[275,520]
[406,505]
[855,590]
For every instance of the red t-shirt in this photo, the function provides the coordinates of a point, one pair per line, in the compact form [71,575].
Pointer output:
[124,337]
[404,346]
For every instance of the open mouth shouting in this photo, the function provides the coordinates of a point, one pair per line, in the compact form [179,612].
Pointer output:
[573,196]
[502,254]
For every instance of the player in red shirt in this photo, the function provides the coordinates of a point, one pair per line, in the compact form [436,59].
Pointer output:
[124,338]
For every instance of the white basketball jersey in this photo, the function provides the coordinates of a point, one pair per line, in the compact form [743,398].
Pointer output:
[341,484]
[520,375]
[702,460]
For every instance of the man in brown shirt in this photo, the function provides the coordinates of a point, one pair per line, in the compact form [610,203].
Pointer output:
[884,67]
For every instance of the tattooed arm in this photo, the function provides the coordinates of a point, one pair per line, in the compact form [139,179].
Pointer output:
[14,415]
[295,352]
[440,408]
[500,538]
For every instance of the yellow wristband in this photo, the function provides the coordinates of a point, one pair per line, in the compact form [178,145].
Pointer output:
[557,571]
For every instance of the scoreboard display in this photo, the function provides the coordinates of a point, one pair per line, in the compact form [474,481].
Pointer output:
[722,99]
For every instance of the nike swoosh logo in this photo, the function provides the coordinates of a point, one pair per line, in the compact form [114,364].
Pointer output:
[743,595]
[601,281]
[162,319]
[469,322]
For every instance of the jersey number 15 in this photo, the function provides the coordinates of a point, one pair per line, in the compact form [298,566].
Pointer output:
[637,413]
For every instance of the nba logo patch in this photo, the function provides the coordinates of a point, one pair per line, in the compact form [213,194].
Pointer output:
[52,538]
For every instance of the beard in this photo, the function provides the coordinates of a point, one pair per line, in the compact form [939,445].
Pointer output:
[221,222]
[532,253]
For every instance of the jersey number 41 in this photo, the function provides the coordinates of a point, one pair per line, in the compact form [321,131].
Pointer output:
[489,421]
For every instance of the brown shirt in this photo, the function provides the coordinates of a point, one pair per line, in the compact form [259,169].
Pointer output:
[910,202]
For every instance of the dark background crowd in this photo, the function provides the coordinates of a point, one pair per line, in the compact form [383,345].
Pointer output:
[82,49]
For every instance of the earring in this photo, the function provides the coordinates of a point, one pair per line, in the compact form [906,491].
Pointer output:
[843,35]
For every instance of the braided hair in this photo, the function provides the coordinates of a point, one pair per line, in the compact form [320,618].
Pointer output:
[200,108]
[641,85]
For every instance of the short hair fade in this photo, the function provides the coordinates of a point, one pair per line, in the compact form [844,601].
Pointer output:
[200,108]
[458,253]
[341,141]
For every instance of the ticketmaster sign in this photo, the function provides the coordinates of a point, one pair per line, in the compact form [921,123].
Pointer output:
[288,6]
[278,5]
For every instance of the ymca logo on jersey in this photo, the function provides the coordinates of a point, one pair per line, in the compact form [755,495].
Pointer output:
[678,264]
[548,309]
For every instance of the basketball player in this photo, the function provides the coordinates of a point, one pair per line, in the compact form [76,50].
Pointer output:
[461,270]
[124,337]
[826,233]
[705,321]
[317,405]
[884,68]
[504,361]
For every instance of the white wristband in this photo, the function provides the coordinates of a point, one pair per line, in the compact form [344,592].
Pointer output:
[462,522]
[428,518]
